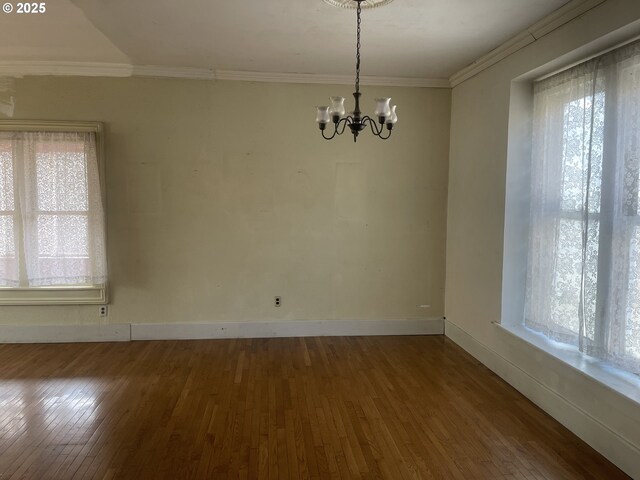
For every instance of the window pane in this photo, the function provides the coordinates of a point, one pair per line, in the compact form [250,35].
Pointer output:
[8,261]
[6,176]
[63,236]
[7,239]
[631,193]
[567,278]
[629,139]
[577,143]
[63,250]
[62,176]
[632,330]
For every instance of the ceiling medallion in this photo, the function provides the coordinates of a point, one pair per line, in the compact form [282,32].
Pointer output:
[354,3]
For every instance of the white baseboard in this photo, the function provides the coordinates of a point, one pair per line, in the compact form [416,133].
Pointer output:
[283,328]
[598,435]
[193,331]
[65,333]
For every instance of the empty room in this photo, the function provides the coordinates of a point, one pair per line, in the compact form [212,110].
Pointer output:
[320,239]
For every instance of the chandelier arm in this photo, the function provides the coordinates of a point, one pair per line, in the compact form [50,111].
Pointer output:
[375,131]
[374,126]
[335,131]
[385,138]
[382,136]
[345,121]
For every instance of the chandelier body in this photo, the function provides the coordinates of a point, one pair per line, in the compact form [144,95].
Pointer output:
[335,114]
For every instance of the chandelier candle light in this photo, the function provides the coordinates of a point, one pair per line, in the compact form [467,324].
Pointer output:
[336,114]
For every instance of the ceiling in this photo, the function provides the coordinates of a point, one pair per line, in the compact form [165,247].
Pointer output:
[408,38]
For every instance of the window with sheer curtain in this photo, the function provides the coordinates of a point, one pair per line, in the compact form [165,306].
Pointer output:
[583,274]
[52,231]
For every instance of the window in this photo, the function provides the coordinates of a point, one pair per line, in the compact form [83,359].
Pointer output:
[583,269]
[52,232]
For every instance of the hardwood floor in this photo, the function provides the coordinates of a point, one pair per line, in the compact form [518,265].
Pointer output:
[343,407]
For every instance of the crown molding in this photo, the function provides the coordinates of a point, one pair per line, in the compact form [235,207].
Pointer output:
[562,15]
[86,69]
[80,69]
[330,79]
[192,73]
[99,69]
[556,19]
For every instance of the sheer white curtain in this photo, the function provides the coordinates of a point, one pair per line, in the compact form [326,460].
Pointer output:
[51,212]
[583,279]
[9,271]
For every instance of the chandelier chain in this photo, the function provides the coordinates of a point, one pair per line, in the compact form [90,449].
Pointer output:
[358,48]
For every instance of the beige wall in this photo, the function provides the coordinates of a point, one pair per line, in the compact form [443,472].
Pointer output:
[222,195]
[476,207]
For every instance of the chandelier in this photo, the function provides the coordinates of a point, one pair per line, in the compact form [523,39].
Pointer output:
[336,114]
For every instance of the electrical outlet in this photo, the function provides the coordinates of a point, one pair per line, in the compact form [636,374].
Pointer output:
[104,311]
[277,301]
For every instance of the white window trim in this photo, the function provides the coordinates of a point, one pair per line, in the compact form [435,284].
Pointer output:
[60,295]
[90,295]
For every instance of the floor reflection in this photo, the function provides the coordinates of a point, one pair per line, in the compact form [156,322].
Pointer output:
[39,417]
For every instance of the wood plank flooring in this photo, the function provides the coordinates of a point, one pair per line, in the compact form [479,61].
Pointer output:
[334,408]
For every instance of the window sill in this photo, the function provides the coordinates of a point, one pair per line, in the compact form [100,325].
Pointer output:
[92,295]
[612,377]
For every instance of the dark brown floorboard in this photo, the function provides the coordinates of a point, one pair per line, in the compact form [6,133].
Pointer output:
[337,408]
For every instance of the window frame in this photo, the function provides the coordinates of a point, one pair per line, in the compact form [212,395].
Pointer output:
[61,295]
